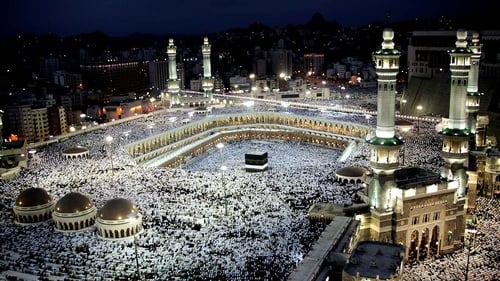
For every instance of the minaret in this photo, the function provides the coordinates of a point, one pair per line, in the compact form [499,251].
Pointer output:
[455,149]
[207,80]
[173,82]
[473,94]
[384,158]
[384,146]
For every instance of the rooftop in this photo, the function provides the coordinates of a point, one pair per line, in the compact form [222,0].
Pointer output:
[374,259]
[411,177]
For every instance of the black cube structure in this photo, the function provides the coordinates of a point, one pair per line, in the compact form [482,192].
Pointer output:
[256,161]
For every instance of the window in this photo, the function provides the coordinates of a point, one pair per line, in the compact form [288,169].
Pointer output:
[414,220]
[426,218]
[436,216]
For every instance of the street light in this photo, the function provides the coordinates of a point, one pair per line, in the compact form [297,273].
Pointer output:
[252,84]
[109,140]
[403,107]
[220,146]
[134,221]
[82,119]
[222,169]
[137,257]
[152,100]
[150,127]
[282,76]
[471,240]
[419,109]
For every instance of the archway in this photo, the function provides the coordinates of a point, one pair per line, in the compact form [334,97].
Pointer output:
[424,245]
[434,245]
[413,248]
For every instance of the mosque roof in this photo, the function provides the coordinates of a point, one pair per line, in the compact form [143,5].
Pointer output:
[411,177]
[351,171]
[374,260]
[33,197]
[73,202]
[118,209]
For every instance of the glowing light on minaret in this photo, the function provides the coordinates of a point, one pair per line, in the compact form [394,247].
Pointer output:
[173,82]
[455,148]
[207,81]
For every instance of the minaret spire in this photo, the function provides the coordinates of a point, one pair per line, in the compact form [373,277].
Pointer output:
[384,146]
[473,94]
[173,82]
[456,135]
[207,81]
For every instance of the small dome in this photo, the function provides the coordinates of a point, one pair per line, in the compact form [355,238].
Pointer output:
[388,34]
[33,197]
[118,209]
[75,150]
[461,34]
[351,172]
[73,202]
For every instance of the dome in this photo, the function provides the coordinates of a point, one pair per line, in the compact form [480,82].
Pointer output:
[351,172]
[33,197]
[75,150]
[73,202]
[118,209]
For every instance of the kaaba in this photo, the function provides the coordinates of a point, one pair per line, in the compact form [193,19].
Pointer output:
[256,161]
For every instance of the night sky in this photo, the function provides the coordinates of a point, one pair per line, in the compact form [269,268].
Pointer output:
[124,17]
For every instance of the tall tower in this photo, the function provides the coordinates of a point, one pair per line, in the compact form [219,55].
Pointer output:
[473,94]
[384,146]
[455,148]
[207,80]
[173,82]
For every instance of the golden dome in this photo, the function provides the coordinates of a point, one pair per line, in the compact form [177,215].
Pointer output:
[33,197]
[118,209]
[73,202]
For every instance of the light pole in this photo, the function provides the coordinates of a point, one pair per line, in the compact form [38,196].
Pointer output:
[109,140]
[137,258]
[471,240]
[419,109]
[368,117]
[150,127]
[82,119]
[134,220]
[403,106]
[282,76]
[252,84]
[220,146]
[152,100]
[222,169]
[323,83]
